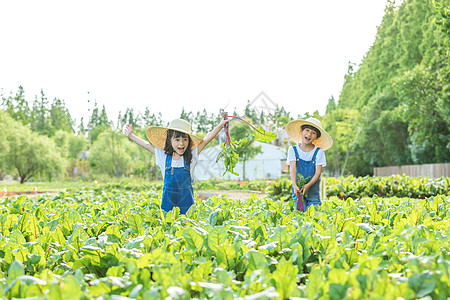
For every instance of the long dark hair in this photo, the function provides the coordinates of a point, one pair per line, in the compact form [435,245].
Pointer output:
[168,149]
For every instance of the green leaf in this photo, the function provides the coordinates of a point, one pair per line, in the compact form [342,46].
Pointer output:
[135,222]
[115,271]
[34,226]
[16,239]
[263,136]
[366,227]
[281,236]
[21,254]
[226,254]
[285,278]
[71,289]
[24,222]
[256,260]
[15,270]
[28,280]
[193,238]
[423,284]
[337,291]
[216,238]
[58,236]
[337,276]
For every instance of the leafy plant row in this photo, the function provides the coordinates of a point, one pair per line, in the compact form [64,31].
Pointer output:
[92,244]
[395,185]
[358,187]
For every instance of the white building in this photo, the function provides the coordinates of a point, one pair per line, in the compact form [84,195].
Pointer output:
[266,165]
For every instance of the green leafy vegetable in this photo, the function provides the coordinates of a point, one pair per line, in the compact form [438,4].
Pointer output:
[230,146]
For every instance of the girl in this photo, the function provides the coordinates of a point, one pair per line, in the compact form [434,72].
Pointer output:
[307,158]
[176,151]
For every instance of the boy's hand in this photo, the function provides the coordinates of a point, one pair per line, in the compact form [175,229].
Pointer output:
[304,190]
[296,190]
[128,130]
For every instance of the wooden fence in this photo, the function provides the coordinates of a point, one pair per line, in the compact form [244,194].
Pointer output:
[430,170]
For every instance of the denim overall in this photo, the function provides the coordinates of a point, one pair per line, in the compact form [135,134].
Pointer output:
[308,169]
[177,188]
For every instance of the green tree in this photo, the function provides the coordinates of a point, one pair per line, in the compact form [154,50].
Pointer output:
[149,119]
[110,154]
[17,106]
[60,118]
[203,122]
[70,145]
[31,154]
[129,117]
[250,113]
[188,116]
[383,137]
[342,125]
[40,116]
[402,88]
[143,163]
[98,123]
[5,123]
[81,129]
[426,109]
[240,131]
[331,105]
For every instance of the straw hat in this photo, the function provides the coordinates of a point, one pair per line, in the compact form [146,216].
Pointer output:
[294,131]
[158,135]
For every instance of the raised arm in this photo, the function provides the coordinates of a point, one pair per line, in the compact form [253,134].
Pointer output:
[212,134]
[128,131]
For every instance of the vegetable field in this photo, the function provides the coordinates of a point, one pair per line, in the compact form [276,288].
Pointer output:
[113,243]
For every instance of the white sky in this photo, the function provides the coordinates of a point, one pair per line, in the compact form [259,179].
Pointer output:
[166,55]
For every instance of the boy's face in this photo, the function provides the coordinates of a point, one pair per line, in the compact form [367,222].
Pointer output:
[308,136]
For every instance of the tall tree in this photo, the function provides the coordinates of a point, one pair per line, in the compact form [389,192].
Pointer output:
[150,119]
[342,125]
[60,118]
[401,89]
[188,116]
[17,106]
[41,121]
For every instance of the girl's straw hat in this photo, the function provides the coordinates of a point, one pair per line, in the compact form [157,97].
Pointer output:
[158,135]
[294,131]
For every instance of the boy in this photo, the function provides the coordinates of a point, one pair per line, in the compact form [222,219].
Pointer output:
[307,158]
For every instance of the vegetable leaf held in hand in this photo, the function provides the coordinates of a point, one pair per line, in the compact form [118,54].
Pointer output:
[229,147]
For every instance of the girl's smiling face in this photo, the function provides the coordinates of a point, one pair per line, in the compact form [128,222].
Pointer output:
[180,144]
[308,136]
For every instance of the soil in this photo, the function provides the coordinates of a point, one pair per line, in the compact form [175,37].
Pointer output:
[21,193]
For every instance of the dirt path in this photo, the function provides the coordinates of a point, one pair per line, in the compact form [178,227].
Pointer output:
[232,194]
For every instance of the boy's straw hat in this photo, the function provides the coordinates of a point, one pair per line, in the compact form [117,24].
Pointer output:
[158,135]
[294,131]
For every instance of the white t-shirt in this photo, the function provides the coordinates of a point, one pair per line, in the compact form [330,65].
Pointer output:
[307,156]
[161,161]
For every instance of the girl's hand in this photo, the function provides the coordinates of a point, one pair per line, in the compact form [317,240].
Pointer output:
[128,130]
[223,122]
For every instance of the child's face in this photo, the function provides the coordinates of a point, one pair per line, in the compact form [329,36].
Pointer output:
[180,144]
[308,136]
